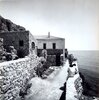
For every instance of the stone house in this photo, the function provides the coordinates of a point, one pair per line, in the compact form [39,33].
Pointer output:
[55,46]
[23,42]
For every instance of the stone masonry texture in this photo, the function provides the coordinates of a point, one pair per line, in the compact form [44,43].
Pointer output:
[13,76]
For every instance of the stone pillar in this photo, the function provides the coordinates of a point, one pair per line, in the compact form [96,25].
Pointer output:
[64,51]
[64,55]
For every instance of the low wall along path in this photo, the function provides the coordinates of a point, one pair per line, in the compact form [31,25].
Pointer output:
[14,75]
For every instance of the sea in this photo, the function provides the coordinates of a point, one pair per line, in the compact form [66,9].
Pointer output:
[88,64]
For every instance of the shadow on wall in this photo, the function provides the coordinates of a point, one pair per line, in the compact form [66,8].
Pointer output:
[58,62]
[21,53]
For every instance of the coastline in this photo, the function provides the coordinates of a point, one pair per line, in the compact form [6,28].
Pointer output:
[91,82]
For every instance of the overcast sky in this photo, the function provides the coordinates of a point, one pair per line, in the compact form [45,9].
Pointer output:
[75,20]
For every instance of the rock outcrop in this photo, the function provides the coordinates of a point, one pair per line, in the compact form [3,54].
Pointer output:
[8,26]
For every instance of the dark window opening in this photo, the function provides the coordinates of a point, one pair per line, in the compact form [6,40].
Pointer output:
[21,43]
[54,45]
[44,45]
[33,45]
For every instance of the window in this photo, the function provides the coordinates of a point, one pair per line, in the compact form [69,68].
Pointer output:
[33,45]
[44,45]
[54,45]
[21,43]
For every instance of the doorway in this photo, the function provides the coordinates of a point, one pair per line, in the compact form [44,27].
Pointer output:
[58,59]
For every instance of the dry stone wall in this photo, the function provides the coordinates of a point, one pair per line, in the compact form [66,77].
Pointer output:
[14,75]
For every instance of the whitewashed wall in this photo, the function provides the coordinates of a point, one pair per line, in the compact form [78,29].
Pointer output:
[60,43]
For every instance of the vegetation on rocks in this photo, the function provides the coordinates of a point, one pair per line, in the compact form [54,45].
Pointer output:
[8,26]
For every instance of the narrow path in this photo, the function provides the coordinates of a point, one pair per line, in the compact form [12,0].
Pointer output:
[59,77]
[48,89]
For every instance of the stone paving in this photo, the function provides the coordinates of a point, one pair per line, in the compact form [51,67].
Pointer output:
[48,89]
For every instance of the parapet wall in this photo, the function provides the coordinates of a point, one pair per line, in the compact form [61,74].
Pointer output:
[14,75]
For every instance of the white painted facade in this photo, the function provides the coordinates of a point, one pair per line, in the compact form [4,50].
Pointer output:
[49,41]
[60,43]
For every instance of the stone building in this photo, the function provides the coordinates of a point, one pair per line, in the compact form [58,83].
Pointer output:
[16,36]
[55,46]
[22,41]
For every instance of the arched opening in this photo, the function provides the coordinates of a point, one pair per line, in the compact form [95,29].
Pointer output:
[33,45]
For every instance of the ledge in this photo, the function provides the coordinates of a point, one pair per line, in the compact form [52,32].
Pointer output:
[13,61]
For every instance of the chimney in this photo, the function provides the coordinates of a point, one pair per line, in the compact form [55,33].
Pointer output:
[48,34]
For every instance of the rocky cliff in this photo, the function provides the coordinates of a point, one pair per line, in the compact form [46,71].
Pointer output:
[8,26]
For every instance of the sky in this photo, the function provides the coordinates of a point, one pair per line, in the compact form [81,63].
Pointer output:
[75,20]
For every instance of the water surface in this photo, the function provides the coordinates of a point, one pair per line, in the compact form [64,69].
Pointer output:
[88,62]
